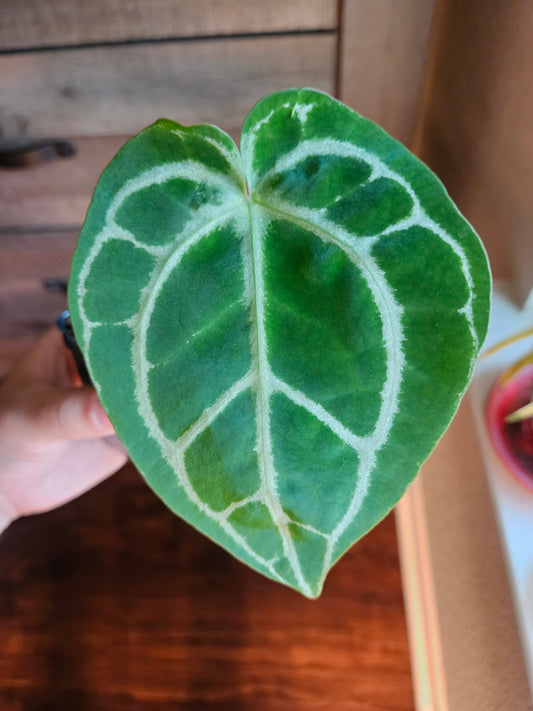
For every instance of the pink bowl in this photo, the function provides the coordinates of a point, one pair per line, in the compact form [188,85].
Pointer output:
[513,442]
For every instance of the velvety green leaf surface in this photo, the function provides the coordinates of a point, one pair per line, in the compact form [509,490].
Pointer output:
[280,335]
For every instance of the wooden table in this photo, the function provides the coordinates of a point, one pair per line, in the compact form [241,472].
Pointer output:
[112,603]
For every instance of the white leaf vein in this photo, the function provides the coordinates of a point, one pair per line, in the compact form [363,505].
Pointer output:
[260,379]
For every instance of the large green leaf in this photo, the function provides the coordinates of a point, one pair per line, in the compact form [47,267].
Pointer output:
[279,336]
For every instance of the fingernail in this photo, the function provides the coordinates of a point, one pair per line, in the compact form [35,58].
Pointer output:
[99,415]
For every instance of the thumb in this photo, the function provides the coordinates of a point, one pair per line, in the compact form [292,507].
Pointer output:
[70,413]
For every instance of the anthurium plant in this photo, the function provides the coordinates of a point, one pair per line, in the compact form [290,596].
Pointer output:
[279,334]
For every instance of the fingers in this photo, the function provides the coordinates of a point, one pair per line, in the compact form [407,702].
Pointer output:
[41,402]
[82,466]
[70,413]
[93,462]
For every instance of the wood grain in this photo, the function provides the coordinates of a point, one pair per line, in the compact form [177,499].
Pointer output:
[475,129]
[36,255]
[27,308]
[56,22]
[119,90]
[55,194]
[111,603]
[383,47]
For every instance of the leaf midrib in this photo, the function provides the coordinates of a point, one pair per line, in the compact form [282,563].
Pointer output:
[262,368]
[279,517]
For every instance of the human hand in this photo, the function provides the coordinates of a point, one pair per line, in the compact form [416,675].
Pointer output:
[54,433]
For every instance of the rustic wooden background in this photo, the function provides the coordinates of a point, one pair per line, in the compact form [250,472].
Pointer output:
[96,73]
[111,602]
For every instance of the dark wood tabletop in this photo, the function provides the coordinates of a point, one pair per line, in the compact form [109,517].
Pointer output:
[112,603]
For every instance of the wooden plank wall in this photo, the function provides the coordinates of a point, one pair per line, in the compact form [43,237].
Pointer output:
[96,73]
[34,23]
[119,89]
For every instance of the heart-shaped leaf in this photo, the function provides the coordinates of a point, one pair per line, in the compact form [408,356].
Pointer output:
[279,336]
